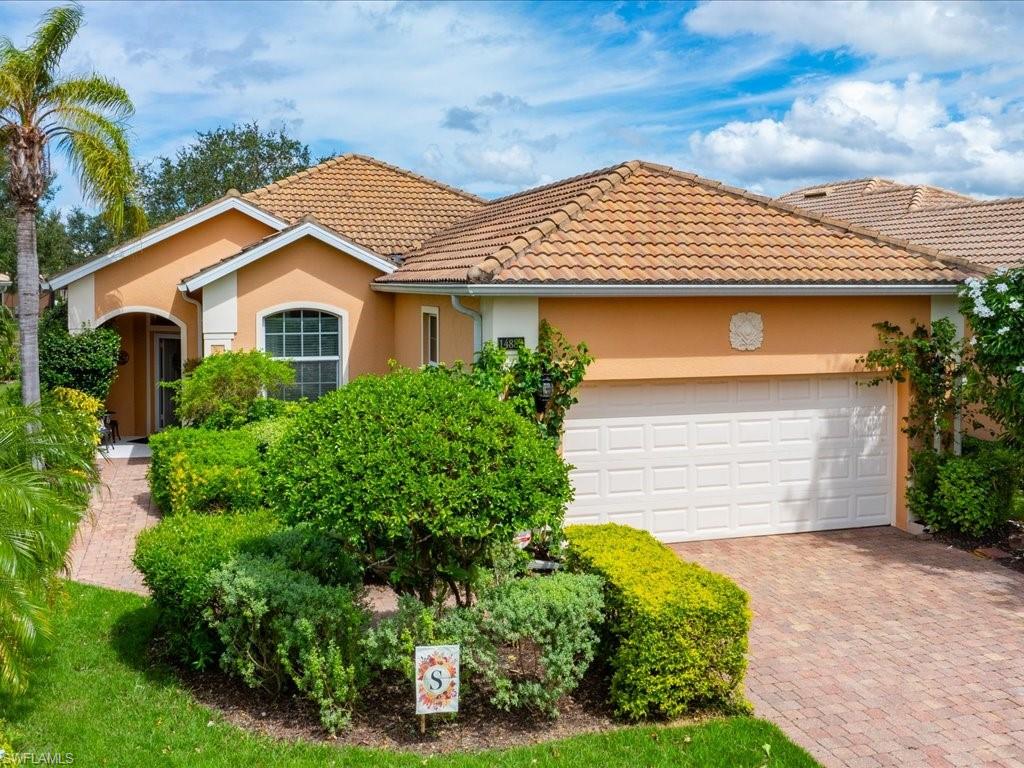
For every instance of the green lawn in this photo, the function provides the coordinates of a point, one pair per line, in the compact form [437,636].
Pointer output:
[96,698]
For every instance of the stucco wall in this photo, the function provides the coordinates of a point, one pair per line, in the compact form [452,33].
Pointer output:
[648,338]
[455,330]
[310,271]
[150,277]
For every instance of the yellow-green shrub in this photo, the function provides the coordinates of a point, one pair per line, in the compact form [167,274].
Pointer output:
[678,632]
[82,413]
[205,470]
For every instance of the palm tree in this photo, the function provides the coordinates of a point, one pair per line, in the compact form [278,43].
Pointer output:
[84,116]
[46,474]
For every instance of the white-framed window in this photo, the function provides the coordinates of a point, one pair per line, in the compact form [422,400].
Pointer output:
[311,340]
[431,338]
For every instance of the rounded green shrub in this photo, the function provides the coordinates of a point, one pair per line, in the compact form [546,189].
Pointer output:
[528,642]
[229,389]
[280,628]
[420,473]
[177,557]
[975,494]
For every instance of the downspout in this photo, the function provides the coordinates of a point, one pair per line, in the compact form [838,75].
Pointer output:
[199,324]
[478,322]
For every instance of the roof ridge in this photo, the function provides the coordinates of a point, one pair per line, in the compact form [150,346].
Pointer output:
[921,250]
[338,159]
[825,184]
[916,198]
[970,202]
[501,257]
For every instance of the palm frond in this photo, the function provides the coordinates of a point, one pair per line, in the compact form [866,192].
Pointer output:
[93,92]
[40,508]
[55,32]
[98,152]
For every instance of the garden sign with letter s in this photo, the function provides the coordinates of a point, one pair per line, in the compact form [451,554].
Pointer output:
[437,679]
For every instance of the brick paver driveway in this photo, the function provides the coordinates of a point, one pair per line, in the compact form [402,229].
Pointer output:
[102,551]
[871,647]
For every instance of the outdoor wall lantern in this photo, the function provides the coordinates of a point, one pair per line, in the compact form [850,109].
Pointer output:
[543,396]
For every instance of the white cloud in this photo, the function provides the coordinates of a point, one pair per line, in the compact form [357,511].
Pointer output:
[985,31]
[514,165]
[527,97]
[859,128]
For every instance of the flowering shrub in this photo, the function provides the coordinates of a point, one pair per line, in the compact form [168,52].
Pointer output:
[993,307]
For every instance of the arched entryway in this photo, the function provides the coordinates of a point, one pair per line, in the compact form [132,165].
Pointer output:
[152,352]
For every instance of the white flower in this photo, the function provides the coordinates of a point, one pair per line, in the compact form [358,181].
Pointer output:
[1020,369]
[974,341]
[1001,270]
[1002,287]
[1015,304]
[1004,329]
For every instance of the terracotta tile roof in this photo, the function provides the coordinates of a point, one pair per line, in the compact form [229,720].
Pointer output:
[380,206]
[640,223]
[864,200]
[989,232]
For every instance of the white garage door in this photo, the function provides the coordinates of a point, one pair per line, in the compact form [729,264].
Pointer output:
[709,459]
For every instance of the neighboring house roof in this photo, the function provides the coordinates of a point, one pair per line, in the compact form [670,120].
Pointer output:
[306,228]
[989,232]
[380,206]
[230,202]
[644,224]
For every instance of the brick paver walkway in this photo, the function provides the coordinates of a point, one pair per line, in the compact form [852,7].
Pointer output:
[102,551]
[874,648]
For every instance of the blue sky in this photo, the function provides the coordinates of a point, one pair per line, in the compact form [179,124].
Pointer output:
[496,97]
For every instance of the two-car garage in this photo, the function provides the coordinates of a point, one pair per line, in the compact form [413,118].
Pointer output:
[705,459]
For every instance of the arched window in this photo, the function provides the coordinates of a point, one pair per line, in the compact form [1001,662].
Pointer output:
[310,339]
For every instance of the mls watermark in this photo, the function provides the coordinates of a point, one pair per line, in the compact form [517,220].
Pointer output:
[36,758]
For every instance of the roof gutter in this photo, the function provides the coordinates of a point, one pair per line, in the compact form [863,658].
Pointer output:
[187,296]
[478,322]
[666,289]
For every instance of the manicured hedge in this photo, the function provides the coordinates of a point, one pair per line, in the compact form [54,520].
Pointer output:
[177,557]
[678,631]
[205,470]
[85,360]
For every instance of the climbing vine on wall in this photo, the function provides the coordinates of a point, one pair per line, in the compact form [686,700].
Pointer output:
[935,362]
[521,379]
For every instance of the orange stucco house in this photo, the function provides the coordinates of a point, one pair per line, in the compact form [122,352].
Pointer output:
[724,400]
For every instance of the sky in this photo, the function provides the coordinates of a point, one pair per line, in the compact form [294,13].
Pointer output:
[498,97]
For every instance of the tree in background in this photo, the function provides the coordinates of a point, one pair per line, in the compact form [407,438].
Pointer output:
[241,157]
[84,117]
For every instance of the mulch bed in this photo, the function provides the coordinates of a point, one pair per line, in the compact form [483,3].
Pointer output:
[1004,545]
[386,718]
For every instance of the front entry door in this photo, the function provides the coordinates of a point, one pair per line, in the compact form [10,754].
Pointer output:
[168,368]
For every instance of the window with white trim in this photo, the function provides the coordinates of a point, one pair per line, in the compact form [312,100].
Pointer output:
[431,344]
[310,339]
